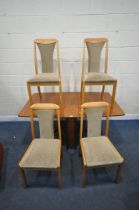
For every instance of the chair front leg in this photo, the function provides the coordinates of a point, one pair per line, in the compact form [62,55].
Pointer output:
[84,179]
[59,178]
[82,92]
[23,177]
[118,173]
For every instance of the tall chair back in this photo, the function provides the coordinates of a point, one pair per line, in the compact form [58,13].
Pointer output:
[94,48]
[46,48]
[94,112]
[45,114]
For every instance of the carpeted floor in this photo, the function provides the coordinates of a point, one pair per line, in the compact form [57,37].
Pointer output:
[101,192]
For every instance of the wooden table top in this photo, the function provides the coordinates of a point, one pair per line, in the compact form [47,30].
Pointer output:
[70,103]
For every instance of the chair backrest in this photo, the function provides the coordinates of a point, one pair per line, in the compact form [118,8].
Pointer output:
[94,112]
[94,48]
[45,113]
[46,48]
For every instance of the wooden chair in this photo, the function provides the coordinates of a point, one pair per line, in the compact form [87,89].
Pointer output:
[97,150]
[48,77]
[43,153]
[93,75]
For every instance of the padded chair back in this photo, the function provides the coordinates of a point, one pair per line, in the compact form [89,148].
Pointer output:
[94,112]
[46,114]
[94,48]
[46,48]
[94,121]
[46,118]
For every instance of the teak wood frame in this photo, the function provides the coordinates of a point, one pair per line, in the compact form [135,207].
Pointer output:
[82,113]
[38,84]
[44,107]
[89,83]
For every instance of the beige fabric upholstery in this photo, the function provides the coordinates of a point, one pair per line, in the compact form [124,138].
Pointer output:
[46,123]
[94,56]
[94,117]
[42,153]
[45,77]
[98,77]
[46,52]
[99,151]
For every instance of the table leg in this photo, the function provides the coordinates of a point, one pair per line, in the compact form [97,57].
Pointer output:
[71,132]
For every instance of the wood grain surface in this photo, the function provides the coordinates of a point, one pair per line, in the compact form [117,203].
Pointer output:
[70,103]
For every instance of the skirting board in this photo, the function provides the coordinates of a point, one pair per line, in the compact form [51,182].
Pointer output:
[10,118]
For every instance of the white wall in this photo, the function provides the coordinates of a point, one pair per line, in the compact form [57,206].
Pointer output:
[70,21]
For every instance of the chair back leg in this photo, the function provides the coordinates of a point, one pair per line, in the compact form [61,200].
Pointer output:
[60,91]
[39,91]
[102,93]
[82,92]
[23,177]
[113,95]
[29,93]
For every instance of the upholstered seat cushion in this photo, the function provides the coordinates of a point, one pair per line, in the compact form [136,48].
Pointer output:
[45,77]
[99,151]
[42,153]
[98,77]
